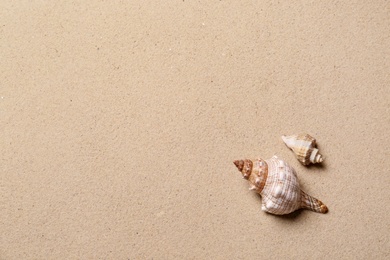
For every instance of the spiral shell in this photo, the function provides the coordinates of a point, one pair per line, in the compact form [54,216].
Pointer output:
[304,147]
[277,183]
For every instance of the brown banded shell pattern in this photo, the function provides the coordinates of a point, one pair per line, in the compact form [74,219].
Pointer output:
[304,147]
[277,183]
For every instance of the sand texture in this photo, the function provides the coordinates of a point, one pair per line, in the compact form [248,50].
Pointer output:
[120,121]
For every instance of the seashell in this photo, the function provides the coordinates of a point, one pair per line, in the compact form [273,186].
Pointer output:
[277,183]
[304,147]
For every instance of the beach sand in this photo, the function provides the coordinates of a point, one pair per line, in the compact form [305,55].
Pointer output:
[120,121]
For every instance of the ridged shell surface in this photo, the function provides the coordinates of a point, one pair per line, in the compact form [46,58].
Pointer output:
[304,147]
[277,183]
[281,193]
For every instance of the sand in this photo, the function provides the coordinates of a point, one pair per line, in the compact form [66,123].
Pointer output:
[120,121]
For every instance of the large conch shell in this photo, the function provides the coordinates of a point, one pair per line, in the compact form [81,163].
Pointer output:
[304,147]
[277,183]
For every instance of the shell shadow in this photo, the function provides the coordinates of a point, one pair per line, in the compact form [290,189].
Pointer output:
[292,216]
[317,166]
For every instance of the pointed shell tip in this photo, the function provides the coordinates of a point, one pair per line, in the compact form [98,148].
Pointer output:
[239,164]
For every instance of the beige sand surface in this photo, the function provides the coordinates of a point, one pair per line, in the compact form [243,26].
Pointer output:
[120,121]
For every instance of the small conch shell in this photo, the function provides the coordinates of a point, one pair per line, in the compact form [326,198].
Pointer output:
[304,147]
[277,183]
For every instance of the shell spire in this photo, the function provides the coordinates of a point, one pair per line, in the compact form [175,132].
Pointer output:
[278,185]
[304,147]
[255,172]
